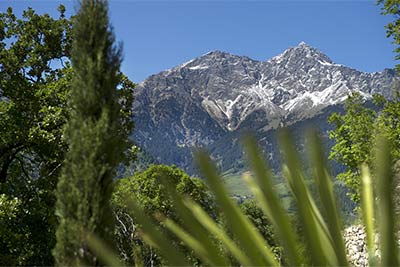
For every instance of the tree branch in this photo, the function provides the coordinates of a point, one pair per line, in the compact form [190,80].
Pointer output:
[7,162]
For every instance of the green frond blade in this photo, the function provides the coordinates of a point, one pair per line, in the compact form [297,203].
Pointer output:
[249,238]
[103,252]
[368,213]
[190,241]
[156,238]
[220,234]
[389,248]
[269,202]
[195,228]
[317,237]
[325,190]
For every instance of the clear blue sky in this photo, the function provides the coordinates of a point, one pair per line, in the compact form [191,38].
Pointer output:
[162,34]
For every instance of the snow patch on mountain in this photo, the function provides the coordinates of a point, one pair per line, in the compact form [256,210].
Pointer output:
[199,67]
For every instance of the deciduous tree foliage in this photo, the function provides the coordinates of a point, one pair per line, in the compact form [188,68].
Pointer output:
[32,89]
[35,75]
[353,135]
[262,223]
[96,137]
[149,192]
[355,131]
[34,85]
[392,7]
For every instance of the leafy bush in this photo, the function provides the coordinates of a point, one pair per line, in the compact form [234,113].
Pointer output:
[356,132]
[263,225]
[148,190]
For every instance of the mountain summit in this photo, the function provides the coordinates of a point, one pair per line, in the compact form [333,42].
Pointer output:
[301,54]
[208,100]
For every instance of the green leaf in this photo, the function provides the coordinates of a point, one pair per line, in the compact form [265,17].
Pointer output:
[316,234]
[213,228]
[153,236]
[249,239]
[103,252]
[196,229]
[192,242]
[389,249]
[270,203]
[367,201]
[325,190]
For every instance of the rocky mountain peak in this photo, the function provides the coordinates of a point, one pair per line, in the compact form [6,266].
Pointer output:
[217,53]
[302,43]
[300,55]
[210,99]
[217,57]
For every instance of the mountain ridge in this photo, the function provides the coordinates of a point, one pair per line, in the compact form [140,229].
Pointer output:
[301,44]
[212,97]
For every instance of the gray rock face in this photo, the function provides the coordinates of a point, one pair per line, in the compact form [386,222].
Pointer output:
[355,239]
[209,100]
[356,246]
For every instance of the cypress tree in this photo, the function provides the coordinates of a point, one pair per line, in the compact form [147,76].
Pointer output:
[95,137]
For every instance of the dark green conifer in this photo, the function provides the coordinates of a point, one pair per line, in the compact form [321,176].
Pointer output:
[95,136]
